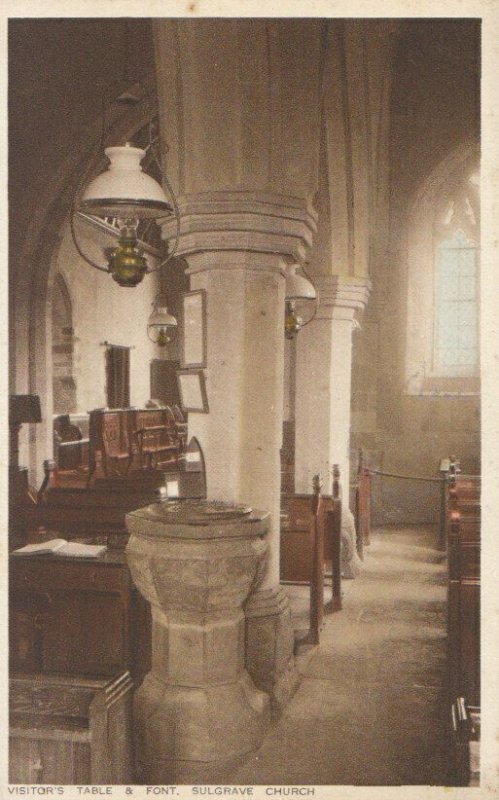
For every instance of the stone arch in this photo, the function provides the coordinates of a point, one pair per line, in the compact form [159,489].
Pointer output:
[33,272]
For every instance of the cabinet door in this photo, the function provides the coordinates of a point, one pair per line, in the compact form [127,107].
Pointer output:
[85,633]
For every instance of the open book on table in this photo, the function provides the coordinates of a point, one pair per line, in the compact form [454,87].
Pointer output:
[60,547]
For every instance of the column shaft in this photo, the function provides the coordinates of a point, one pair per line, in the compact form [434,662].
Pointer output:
[241,435]
[323,385]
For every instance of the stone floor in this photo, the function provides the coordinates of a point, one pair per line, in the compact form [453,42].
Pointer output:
[370,710]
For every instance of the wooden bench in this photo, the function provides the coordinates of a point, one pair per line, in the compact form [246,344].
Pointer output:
[463,542]
[464,607]
[311,542]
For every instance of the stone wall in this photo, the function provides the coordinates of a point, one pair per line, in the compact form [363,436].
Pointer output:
[430,120]
[106,312]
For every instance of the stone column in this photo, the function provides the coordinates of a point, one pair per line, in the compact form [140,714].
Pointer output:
[323,383]
[197,710]
[239,104]
[236,246]
[323,398]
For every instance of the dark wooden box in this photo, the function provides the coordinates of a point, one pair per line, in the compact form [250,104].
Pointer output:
[77,617]
[70,730]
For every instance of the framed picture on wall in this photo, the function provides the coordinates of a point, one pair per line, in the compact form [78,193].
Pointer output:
[192,390]
[193,350]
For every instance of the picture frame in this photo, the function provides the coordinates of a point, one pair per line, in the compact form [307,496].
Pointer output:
[193,314]
[192,390]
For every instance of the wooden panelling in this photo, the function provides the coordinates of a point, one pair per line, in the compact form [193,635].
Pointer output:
[77,616]
[70,730]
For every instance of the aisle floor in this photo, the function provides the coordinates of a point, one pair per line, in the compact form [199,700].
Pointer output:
[370,709]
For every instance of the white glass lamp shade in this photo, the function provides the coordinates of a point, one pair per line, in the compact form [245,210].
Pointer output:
[161,326]
[161,318]
[124,190]
[297,286]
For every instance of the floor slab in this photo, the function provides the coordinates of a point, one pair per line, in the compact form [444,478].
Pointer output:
[370,710]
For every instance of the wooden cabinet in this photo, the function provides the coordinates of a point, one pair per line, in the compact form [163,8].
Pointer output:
[70,730]
[77,617]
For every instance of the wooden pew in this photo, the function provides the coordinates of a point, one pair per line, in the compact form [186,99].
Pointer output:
[310,541]
[93,513]
[465,749]
[463,524]
[464,607]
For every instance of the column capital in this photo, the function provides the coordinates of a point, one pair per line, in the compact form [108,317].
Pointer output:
[341,298]
[229,260]
[262,222]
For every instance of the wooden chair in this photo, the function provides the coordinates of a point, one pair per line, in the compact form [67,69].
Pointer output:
[70,448]
[116,450]
[145,435]
[157,438]
[180,425]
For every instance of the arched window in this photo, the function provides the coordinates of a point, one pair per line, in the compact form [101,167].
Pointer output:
[456,328]
[442,352]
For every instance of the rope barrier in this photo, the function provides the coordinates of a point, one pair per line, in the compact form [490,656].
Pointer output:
[407,477]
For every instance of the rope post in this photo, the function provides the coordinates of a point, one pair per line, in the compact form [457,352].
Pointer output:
[333,541]
[317,566]
[445,471]
[334,538]
[358,521]
[442,538]
[367,507]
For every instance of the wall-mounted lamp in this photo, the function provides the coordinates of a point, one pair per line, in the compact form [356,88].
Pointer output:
[161,325]
[298,287]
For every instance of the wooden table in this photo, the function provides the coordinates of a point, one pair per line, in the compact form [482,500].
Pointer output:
[77,616]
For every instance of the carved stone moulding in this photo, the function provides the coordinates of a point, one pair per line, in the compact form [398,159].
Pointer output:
[259,221]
